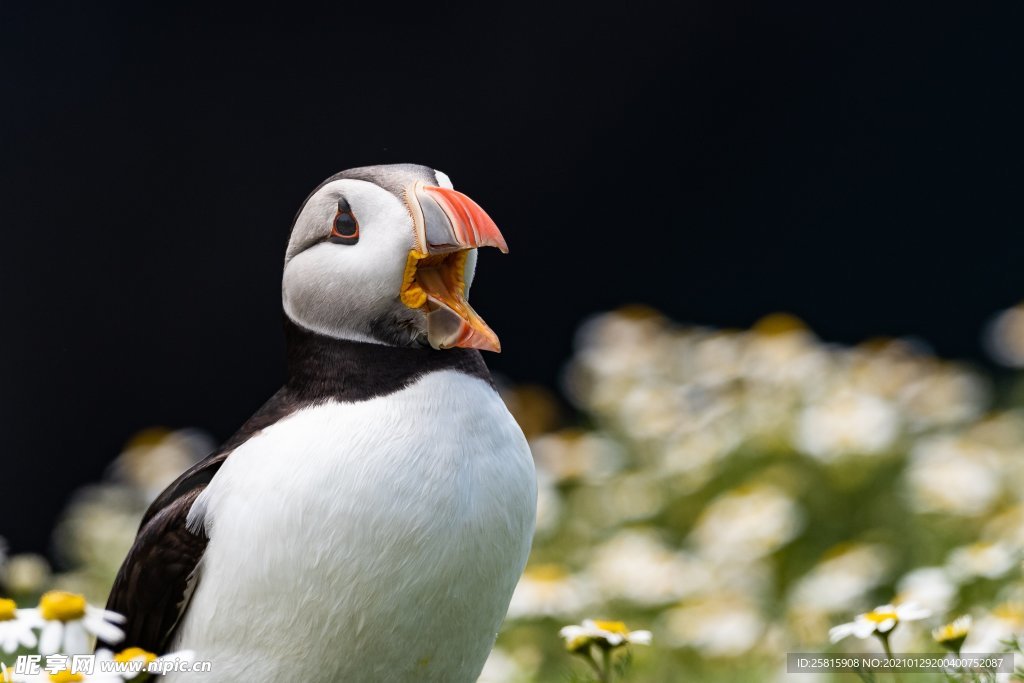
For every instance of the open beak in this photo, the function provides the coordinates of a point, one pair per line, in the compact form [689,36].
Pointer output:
[449,225]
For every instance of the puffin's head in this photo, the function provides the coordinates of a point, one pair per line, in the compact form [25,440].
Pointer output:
[386,254]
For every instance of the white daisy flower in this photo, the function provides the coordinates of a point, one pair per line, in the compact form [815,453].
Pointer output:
[549,590]
[1005,337]
[847,423]
[952,635]
[16,626]
[70,621]
[141,659]
[720,625]
[881,620]
[605,634]
[25,573]
[930,587]
[990,631]
[982,559]
[637,566]
[502,667]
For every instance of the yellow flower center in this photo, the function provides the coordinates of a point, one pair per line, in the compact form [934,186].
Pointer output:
[148,438]
[779,323]
[8,610]
[62,606]
[547,572]
[613,627]
[65,676]
[577,644]
[879,617]
[954,631]
[1010,611]
[134,653]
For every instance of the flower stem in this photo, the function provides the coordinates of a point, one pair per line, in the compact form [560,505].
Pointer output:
[884,637]
[592,661]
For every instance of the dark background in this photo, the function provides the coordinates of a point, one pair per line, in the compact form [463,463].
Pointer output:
[857,166]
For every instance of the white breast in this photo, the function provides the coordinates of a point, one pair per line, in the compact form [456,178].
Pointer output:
[371,541]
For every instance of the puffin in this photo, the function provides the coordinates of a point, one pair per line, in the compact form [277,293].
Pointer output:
[371,520]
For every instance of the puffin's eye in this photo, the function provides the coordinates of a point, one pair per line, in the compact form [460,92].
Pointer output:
[345,229]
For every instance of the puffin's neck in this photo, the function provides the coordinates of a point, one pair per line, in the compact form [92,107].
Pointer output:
[321,367]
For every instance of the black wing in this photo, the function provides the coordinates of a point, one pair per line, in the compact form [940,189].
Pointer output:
[160,573]
[158,576]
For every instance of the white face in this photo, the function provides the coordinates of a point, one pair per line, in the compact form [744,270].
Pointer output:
[351,291]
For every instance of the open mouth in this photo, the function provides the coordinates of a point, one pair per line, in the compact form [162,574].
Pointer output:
[440,277]
[437,285]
